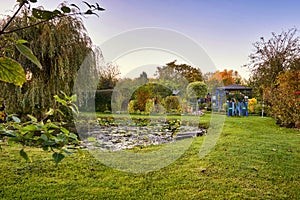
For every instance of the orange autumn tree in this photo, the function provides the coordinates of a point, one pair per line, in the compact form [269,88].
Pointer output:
[223,78]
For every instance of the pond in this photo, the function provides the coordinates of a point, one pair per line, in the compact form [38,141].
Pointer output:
[113,135]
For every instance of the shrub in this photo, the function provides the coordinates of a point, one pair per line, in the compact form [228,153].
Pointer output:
[131,106]
[149,106]
[286,99]
[252,105]
[172,104]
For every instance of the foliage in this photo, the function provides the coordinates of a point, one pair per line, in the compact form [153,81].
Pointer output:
[197,89]
[222,78]
[286,99]
[108,77]
[173,70]
[142,95]
[131,108]
[11,69]
[44,134]
[274,56]
[252,105]
[61,46]
[172,104]
[103,100]
[177,76]
[149,106]
[253,159]
[275,64]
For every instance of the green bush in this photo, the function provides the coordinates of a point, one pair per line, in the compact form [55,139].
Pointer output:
[172,104]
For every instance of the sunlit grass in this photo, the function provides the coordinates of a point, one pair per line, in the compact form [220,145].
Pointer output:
[253,158]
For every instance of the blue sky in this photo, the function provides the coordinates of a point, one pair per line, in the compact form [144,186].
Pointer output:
[225,29]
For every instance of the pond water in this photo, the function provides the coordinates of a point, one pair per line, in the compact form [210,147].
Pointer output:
[114,138]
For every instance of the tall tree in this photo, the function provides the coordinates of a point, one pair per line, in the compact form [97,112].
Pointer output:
[275,66]
[61,46]
[172,70]
[108,76]
[222,78]
[11,70]
[274,56]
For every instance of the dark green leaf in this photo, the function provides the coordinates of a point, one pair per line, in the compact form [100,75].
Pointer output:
[45,148]
[43,14]
[44,137]
[10,133]
[57,12]
[49,143]
[65,9]
[11,71]
[68,152]
[25,51]
[24,155]
[58,157]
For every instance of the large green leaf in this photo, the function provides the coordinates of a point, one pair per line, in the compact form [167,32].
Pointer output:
[58,157]
[25,51]
[24,155]
[11,71]
[43,14]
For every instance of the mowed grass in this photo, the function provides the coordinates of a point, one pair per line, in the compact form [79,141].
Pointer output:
[253,159]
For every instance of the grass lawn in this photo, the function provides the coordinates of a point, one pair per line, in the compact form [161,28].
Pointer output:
[253,158]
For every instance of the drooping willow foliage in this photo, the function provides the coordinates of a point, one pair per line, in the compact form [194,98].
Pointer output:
[61,45]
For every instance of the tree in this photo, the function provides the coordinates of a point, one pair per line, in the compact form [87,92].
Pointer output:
[274,56]
[61,45]
[173,70]
[285,99]
[108,76]
[275,66]
[222,78]
[141,96]
[11,70]
[197,90]
[177,76]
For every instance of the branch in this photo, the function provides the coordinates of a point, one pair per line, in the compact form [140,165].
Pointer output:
[40,22]
[11,19]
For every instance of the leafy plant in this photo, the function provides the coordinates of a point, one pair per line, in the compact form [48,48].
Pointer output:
[44,134]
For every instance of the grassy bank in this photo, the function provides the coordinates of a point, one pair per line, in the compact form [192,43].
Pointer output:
[253,158]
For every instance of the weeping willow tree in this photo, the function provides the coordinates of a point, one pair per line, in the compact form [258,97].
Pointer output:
[61,45]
